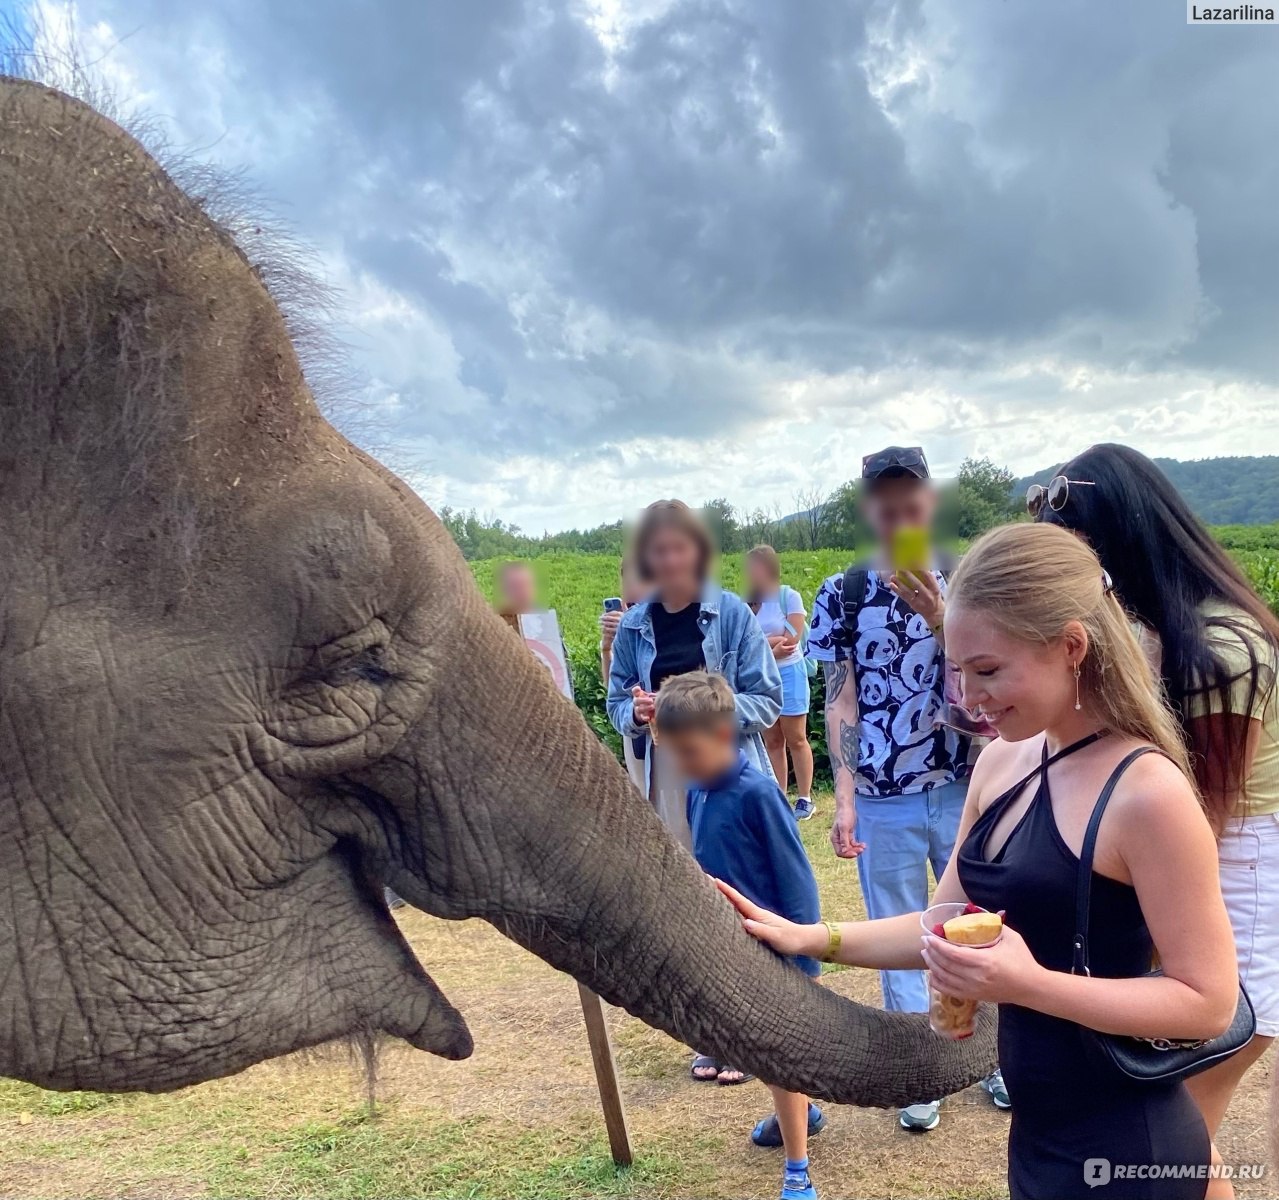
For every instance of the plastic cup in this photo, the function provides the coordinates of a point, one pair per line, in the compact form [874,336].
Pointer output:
[949,1016]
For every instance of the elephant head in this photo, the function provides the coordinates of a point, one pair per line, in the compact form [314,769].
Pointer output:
[245,676]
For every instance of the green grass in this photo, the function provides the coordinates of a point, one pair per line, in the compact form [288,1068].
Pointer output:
[575,586]
[478,1158]
[228,1151]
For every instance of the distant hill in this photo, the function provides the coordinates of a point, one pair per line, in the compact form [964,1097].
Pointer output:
[1222,491]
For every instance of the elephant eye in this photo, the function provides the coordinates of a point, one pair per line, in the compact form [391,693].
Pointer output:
[369,666]
[363,657]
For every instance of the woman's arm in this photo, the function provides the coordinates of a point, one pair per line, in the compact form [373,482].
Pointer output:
[609,623]
[1168,849]
[623,675]
[797,619]
[758,686]
[889,944]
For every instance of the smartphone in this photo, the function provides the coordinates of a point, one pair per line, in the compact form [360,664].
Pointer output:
[911,550]
[613,604]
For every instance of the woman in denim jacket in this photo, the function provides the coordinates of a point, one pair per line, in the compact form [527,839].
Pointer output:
[688,623]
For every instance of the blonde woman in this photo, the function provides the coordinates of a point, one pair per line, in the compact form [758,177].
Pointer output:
[1217,645]
[1048,657]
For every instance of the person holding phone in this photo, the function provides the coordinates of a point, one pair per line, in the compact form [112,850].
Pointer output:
[780,612]
[634,589]
[901,774]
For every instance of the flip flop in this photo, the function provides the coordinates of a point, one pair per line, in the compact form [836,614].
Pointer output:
[746,1077]
[704,1062]
[768,1133]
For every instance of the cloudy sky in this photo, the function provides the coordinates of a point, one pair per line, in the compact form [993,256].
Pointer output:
[596,251]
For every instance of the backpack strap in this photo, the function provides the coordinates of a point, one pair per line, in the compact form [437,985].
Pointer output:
[1083,884]
[853,595]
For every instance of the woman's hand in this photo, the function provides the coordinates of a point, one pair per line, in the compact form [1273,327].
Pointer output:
[786,937]
[920,591]
[782,644]
[1003,973]
[644,705]
[609,622]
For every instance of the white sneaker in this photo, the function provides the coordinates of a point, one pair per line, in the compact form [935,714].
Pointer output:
[920,1118]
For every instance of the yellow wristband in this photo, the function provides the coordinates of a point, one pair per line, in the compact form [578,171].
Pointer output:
[833,938]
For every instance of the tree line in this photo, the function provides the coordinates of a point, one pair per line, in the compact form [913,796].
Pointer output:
[980,497]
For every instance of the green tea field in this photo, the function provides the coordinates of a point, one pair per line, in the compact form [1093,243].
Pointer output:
[575,586]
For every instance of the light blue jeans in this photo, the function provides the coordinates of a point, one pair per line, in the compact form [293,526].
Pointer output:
[903,834]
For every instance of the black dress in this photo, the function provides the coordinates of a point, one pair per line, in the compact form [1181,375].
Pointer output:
[1069,1107]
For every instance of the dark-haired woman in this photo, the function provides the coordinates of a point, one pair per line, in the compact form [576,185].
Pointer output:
[688,623]
[1218,647]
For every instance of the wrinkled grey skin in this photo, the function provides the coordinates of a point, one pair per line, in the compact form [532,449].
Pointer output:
[245,675]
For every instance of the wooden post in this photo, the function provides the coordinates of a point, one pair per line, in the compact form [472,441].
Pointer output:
[619,1135]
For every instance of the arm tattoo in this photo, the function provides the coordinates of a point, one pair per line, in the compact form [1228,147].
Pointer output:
[848,746]
[837,675]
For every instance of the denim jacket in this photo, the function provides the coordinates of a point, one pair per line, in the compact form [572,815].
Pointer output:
[733,646]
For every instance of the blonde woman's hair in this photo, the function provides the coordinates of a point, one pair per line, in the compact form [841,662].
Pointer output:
[696,700]
[1031,581]
[767,557]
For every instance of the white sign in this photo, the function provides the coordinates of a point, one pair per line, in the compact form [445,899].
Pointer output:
[541,633]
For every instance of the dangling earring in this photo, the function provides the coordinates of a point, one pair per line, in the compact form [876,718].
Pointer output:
[1078,706]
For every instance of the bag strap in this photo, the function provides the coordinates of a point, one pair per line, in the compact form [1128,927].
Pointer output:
[1004,799]
[853,595]
[1083,884]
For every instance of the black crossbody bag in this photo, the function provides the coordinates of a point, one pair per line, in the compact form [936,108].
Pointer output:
[1153,1060]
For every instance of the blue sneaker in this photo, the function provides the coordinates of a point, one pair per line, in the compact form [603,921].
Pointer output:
[768,1133]
[804,809]
[796,1185]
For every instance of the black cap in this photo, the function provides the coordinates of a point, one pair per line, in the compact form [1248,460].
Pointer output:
[895,462]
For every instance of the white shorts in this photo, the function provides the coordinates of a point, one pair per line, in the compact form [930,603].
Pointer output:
[1249,852]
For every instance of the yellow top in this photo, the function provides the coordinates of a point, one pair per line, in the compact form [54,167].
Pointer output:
[1261,791]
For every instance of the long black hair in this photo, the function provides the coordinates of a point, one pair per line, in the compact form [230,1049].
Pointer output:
[1165,565]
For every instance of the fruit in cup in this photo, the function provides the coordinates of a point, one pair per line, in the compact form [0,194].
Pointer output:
[973,928]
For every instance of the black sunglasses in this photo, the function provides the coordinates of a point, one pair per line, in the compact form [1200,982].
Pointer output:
[907,458]
[1055,494]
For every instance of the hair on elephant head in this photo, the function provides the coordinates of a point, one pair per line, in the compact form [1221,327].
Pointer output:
[245,676]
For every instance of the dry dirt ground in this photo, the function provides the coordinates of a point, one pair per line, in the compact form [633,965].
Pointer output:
[519,1119]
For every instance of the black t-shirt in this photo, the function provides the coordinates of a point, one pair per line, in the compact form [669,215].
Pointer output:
[679,641]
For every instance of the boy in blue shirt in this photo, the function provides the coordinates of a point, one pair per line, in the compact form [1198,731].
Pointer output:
[744,832]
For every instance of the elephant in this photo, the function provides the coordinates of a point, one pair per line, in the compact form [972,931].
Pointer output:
[246,678]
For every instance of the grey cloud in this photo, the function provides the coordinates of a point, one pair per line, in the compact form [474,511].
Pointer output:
[651,238]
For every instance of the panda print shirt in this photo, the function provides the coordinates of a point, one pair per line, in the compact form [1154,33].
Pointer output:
[899,671]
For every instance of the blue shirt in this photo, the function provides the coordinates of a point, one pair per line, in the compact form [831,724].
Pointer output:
[744,833]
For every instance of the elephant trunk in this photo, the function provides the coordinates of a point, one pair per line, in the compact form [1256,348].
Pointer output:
[547,839]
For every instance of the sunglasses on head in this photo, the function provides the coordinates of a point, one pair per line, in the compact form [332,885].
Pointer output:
[1054,495]
[895,458]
